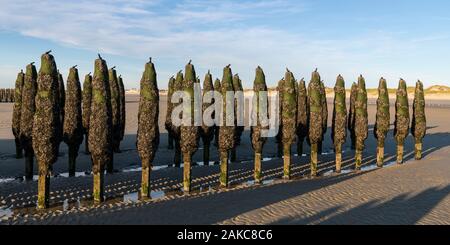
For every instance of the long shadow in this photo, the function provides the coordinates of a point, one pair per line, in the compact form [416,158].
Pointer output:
[208,208]
[122,183]
[405,209]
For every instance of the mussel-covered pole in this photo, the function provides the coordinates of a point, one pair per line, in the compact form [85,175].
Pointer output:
[26,118]
[239,113]
[86,104]
[73,126]
[361,121]
[207,132]
[46,126]
[176,129]
[17,110]
[218,88]
[168,122]
[259,111]
[401,125]
[323,97]
[382,120]
[189,132]
[148,129]
[228,129]
[115,108]
[351,115]
[302,116]
[62,98]
[339,123]
[279,136]
[100,127]
[419,121]
[314,119]
[122,118]
[288,120]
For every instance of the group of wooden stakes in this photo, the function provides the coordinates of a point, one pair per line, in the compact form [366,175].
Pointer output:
[6,95]
[45,114]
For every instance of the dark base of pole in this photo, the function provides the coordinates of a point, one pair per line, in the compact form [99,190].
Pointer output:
[177,156]
[170,142]
[233,155]
[300,147]
[116,148]
[279,149]
[206,154]
[19,150]
[216,138]
[86,145]
[110,165]
[29,167]
[72,161]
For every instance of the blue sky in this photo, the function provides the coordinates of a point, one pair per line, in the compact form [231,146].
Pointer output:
[393,39]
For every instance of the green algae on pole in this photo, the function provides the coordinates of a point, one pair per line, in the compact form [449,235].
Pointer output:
[401,124]
[315,116]
[73,126]
[46,126]
[302,116]
[207,132]
[382,120]
[148,130]
[86,105]
[17,109]
[339,122]
[419,121]
[226,131]
[189,132]
[351,115]
[100,127]
[361,121]
[258,120]
[288,120]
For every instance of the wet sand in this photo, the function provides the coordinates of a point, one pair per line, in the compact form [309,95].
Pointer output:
[413,193]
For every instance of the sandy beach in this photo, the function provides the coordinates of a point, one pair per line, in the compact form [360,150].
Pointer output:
[413,193]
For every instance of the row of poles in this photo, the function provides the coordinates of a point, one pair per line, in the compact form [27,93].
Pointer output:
[7,95]
[42,119]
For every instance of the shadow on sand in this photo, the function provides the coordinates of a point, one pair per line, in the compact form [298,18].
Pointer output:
[222,205]
[405,209]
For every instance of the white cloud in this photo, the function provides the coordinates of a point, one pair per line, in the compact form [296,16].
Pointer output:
[212,33]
